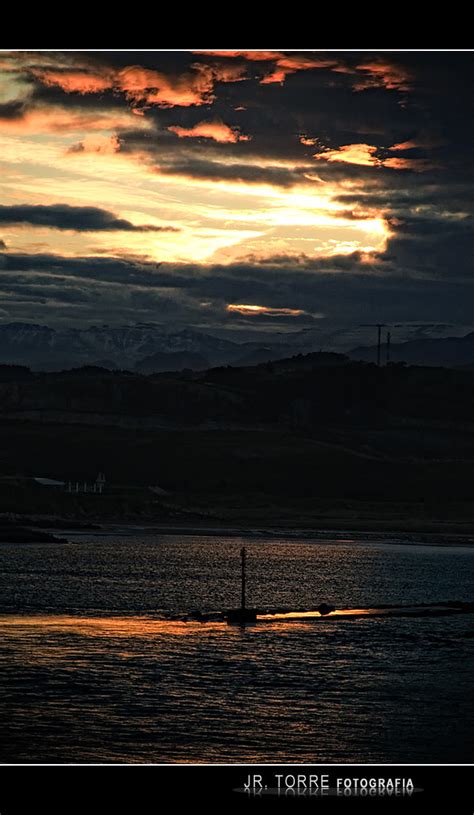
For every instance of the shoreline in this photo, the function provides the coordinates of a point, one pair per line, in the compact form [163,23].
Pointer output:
[54,529]
[297,534]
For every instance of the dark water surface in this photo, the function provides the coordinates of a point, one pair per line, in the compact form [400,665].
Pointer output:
[99,663]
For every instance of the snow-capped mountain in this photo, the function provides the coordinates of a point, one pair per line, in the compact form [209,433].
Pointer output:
[148,347]
[42,347]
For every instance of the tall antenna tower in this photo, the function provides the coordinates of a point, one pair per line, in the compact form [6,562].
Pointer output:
[379,327]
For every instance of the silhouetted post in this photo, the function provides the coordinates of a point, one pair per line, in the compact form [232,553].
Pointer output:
[389,336]
[243,555]
[242,615]
[379,327]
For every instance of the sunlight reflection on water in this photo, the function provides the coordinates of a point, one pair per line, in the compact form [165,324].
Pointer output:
[98,662]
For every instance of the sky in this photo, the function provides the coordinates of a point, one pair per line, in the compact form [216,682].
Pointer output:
[237,192]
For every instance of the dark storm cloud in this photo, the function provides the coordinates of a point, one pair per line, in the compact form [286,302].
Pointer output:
[11,110]
[286,164]
[436,196]
[78,219]
[343,288]
[101,269]
[341,295]
[253,174]
[434,247]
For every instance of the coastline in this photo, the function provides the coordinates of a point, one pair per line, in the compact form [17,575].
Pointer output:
[335,534]
[42,528]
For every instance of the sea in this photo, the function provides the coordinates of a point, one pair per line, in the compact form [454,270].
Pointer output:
[114,649]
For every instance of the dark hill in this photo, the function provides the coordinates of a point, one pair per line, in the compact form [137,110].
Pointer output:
[450,352]
[312,429]
[175,361]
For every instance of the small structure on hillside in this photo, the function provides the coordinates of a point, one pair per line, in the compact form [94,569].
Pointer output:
[96,486]
[100,482]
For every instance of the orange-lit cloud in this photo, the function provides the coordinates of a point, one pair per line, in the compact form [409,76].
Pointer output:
[97,143]
[364,154]
[224,73]
[59,120]
[381,73]
[283,64]
[417,164]
[140,85]
[143,85]
[405,145]
[251,310]
[373,73]
[299,62]
[76,81]
[258,56]
[216,130]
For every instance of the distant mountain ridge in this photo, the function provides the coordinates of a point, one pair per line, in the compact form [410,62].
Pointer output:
[150,348]
[40,346]
[145,347]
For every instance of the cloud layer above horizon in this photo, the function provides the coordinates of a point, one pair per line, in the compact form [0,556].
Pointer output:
[253,191]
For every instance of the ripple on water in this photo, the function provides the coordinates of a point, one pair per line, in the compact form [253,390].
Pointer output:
[95,673]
